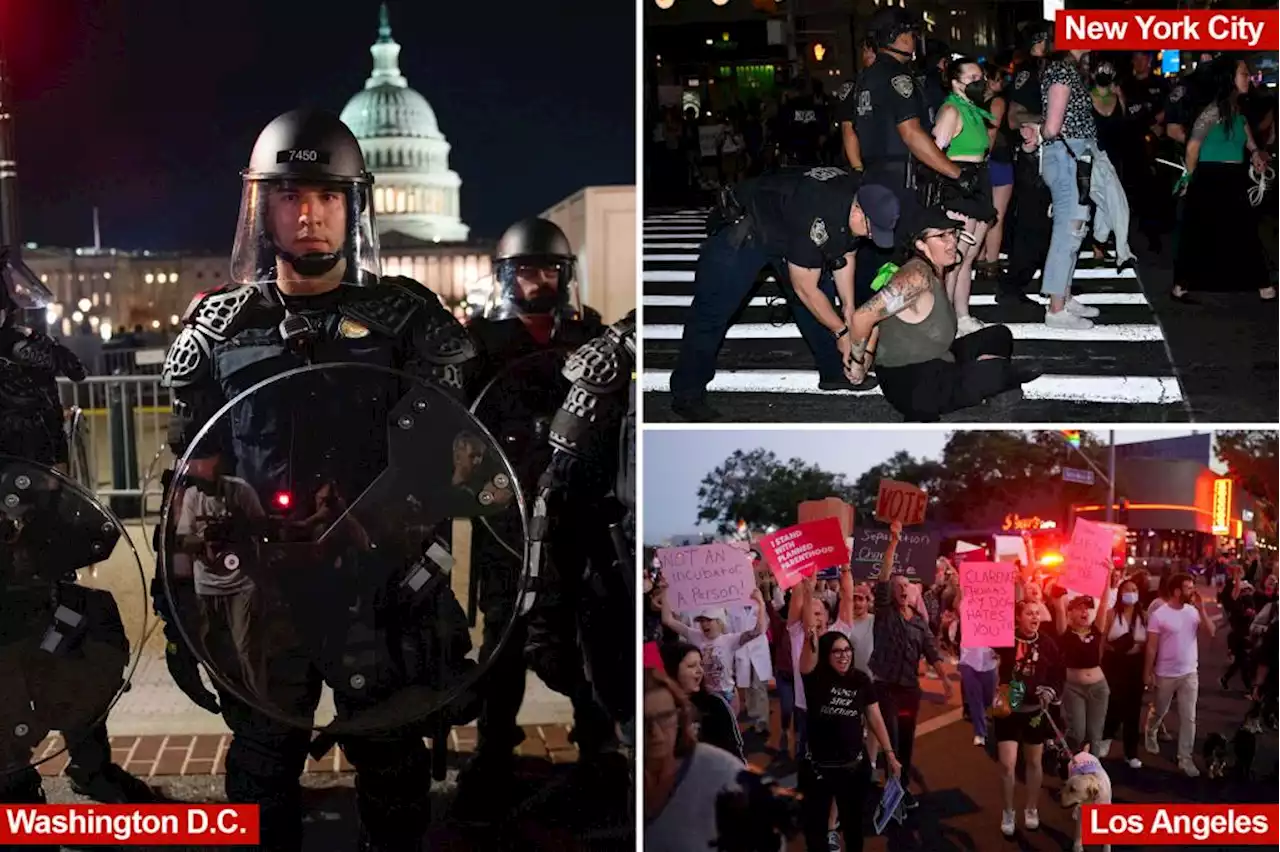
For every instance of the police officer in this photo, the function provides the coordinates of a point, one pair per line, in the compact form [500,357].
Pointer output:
[1144,98]
[31,428]
[891,119]
[805,121]
[307,289]
[1029,226]
[534,268]
[581,638]
[807,226]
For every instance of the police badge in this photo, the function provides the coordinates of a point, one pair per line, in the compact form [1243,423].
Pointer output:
[351,329]
[903,85]
[1021,79]
[818,233]
[843,91]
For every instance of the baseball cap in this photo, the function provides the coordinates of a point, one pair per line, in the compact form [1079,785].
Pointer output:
[932,218]
[713,614]
[881,207]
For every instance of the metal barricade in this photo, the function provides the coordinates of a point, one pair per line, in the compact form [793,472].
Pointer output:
[117,426]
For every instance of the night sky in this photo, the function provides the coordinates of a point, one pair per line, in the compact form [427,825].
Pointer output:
[149,108]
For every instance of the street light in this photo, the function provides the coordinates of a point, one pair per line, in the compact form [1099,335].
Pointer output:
[664,4]
[721,2]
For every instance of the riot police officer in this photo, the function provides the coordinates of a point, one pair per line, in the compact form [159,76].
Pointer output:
[891,119]
[307,289]
[534,268]
[31,428]
[581,635]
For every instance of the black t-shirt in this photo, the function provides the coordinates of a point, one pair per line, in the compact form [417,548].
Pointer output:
[1188,97]
[803,216]
[837,706]
[885,96]
[1081,651]
[1144,99]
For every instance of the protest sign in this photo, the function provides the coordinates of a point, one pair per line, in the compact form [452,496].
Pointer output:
[831,507]
[901,502]
[652,658]
[707,575]
[986,609]
[916,555]
[796,552]
[1088,558]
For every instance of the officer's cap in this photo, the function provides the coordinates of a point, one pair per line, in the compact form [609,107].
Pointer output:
[882,209]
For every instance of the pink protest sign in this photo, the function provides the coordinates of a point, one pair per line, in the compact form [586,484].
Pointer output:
[986,609]
[705,576]
[652,659]
[1088,558]
[796,552]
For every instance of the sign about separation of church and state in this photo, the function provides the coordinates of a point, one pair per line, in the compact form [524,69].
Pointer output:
[707,575]
[916,555]
[986,608]
[796,552]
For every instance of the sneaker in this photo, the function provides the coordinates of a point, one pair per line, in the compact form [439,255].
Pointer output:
[979,741]
[1188,767]
[1152,744]
[1104,749]
[965,324]
[1134,763]
[1080,309]
[833,841]
[694,411]
[1031,818]
[1008,824]
[1066,319]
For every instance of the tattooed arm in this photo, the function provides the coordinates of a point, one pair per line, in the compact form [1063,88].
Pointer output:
[906,286]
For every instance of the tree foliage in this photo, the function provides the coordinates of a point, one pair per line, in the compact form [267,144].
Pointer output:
[1250,458]
[757,487]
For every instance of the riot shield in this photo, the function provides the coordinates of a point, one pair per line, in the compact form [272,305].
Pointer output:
[517,407]
[316,533]
[65,652]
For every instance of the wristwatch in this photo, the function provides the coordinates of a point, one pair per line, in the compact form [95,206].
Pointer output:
[843,332]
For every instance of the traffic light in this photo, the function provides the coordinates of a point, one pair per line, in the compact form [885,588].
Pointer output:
[819,51]
[1072,436]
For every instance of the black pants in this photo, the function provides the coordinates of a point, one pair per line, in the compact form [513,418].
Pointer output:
[924,392]
[89,752]
[900,707]
[849,789]
[1124,708]
[1028,227]
[1241,657]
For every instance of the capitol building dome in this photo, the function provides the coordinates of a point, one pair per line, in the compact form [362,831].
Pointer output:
[415,192]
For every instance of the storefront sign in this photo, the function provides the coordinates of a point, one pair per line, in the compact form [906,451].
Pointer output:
[1222,506]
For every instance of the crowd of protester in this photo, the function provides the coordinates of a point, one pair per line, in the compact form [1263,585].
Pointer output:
[844,659]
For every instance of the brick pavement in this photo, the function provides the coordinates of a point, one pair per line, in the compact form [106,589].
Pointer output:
[159,756]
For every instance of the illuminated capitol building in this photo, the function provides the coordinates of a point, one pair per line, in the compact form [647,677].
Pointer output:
[420,228]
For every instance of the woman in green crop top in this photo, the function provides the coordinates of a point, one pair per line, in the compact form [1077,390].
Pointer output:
[1219,246]
[961,131]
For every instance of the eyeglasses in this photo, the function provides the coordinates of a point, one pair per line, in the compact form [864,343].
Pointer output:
[842,652]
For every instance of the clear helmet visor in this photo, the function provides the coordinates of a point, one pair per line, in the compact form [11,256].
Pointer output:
[24,290]
[319,228]
[536,285]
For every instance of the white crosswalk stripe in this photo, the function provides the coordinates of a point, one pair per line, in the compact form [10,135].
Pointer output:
[1122,361]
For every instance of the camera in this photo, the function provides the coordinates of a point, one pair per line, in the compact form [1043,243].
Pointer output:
[757,816]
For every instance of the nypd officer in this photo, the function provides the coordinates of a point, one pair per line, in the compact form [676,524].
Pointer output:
[534,267]
[307,289]
[891,119]
[807,226]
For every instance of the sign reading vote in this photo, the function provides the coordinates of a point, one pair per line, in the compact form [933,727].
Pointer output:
[796,552]
[708,575]
[901,502]
[986,609]
[1089,557]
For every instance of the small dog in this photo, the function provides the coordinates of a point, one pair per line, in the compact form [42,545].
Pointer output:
[1087,784]
[1234,757]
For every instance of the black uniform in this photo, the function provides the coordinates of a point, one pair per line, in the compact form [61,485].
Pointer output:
[885,96]
[805,123]
[842,103]
[1144,101]
[1029,226]
[796,217]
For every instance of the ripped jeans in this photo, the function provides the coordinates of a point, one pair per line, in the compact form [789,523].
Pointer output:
[1070,217]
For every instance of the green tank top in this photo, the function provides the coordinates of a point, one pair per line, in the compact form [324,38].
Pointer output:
[1218,147]
[972,139]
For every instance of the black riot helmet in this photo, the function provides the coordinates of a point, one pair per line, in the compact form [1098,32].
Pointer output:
[306,179]
[1036,32]
[533,247]
[887,24]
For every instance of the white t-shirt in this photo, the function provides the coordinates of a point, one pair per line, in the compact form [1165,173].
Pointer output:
[717,658]
[795,630]
[979,659]
[1120,626]
[235,497]
[1178,654]
[861,633]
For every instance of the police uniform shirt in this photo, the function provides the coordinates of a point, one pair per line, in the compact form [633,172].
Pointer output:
[804,216]
[1144,99]
[886,95]
[842,102]
[1026,86]
[1189,94]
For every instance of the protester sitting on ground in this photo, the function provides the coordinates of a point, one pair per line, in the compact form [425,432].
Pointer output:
[925,371]
[682,777]
[836,767]
[716,724]
[1031,673]
[717,646]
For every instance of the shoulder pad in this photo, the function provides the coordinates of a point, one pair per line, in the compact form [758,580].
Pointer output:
[441,338]
[387,306]
[187,360]
[601,365]
[219,313]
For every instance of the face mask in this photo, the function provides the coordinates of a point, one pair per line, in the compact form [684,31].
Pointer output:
[1129,598]
[1103,79]
[975,91]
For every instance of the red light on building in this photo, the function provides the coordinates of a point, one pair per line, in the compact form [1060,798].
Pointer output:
[284,500]
[1222,506]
